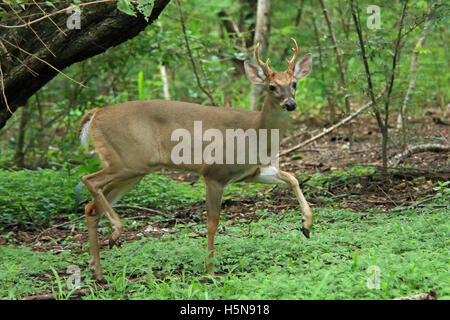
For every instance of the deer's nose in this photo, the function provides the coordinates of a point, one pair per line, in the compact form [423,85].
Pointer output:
[290,105]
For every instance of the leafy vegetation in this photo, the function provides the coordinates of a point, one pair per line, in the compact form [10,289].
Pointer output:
[36,197]
[267,259]
[21,269]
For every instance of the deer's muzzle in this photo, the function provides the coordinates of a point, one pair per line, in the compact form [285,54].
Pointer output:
[290,105]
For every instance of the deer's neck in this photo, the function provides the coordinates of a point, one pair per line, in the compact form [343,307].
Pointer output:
[272,116]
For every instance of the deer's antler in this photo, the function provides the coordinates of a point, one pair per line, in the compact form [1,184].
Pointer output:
[265,66]
[291,63]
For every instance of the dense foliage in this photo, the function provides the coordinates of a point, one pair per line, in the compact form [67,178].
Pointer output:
[263,258]
[47,136]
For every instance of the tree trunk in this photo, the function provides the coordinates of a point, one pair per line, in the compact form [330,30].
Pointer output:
[395,61]
[262,36]
[322,70]
[163,72]
[412,80]
[341,70]
[382,125]
[242,34]
[232,29]
[23,70]
[165,81]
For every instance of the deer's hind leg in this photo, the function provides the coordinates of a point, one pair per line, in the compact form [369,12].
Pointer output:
[106,189]
[113,194]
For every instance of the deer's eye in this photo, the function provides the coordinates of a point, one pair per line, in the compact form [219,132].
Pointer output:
[272,88]
[294,85]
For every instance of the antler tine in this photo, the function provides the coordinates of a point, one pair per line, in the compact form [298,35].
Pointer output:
[291,63]
[265,66]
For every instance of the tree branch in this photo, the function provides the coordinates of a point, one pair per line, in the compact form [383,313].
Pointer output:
[189,52]
[421,296]
[394,64]
[412,74]
[340,68]
[431,147]
[366,66]
[330,129]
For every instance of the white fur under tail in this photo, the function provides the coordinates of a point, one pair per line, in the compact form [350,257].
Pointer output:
[86,133]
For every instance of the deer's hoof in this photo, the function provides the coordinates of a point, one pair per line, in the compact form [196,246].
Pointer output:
[101,281]
[97,277]
[113,243]
[305,232]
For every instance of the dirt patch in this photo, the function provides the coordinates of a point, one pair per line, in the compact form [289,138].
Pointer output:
[332,152]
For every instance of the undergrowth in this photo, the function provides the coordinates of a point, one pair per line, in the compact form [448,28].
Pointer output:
[264,259]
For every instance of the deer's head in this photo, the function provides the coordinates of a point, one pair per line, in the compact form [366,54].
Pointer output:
[280,86]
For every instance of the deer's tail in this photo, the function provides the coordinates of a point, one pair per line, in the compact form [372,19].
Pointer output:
[84,128]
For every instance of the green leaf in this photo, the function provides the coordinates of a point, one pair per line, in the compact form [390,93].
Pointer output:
[146,7]
[125,7]
[141,85]
[50,4]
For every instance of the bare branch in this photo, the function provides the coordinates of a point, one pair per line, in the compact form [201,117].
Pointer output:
[340,68]
[330,129]
[189,52]
[419,149]
[394,63]
[421,296]
[366,66]
[412,73]
[3,89]
[41,60]
[49,18]
[152,211]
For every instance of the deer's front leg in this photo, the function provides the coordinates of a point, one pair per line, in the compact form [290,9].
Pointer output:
[274,175]
[214,192]
[292,182]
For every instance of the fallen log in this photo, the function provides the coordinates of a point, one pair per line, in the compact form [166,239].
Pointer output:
[421,296]
[332,128]
[431,147]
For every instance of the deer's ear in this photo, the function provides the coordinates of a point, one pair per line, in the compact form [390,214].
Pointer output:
[254,73]
[303,67]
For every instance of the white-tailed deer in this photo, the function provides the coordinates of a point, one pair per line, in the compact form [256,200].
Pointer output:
[135,138]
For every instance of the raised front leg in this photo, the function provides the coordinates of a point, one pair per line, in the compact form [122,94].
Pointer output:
[274,175]
[214,192]
[292,182]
